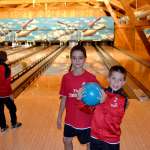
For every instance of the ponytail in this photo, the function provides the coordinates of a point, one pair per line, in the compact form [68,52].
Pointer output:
[70,68]
[3,58]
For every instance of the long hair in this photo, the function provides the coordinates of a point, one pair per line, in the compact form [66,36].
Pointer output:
[3,59]
[77,48]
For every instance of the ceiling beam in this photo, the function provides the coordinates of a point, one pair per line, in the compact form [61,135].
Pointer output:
[111,11]
[42,11]
[144,39]
[23,5]
[117,4]
[135,24]
[145,7]
[143,24]
[3,2]
[131,1]
[4,6]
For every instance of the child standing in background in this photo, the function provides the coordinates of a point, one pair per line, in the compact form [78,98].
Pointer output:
[6,94]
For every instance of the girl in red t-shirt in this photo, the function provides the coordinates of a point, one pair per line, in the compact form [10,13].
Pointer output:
[6,94]
[77,122]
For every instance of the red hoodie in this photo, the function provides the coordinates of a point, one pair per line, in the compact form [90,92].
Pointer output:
[5,85]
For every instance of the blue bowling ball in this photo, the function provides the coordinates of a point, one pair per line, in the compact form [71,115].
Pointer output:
[92,94]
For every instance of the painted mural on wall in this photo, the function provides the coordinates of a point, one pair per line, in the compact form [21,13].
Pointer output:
[61,29]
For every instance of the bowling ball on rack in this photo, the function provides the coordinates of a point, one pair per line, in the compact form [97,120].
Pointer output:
[24,64]
[92,94]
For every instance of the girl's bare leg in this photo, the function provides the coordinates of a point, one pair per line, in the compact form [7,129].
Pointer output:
[68,145]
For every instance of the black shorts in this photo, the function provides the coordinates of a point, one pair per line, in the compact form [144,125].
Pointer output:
[82,135]
[101,145]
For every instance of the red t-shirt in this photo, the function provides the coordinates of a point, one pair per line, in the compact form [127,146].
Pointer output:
[5,85]
[69,88]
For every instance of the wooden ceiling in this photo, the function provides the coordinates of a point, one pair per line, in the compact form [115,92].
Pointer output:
[69,8]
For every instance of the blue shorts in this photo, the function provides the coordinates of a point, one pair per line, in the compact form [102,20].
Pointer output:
[82,135]
[101,145]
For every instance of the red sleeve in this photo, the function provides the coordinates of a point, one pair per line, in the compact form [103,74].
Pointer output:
[63,88]
[85,108]
[2,74]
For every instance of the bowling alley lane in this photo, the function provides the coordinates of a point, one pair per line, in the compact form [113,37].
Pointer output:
[138,70]
[13,50]
[60,65]
[21,65]
[23,53]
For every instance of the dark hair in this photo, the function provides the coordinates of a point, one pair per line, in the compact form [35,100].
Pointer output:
[118,68]
[77,48]
[3,58]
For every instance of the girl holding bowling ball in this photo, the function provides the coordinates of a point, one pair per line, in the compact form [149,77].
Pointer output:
[77,122]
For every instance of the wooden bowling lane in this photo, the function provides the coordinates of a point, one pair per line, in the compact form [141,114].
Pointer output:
[135,126]
[138,70]
[60,65]
[95,64]
[26,62]
[21,54]
[138,58]
[12,51]
[38,107]
[4,48]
